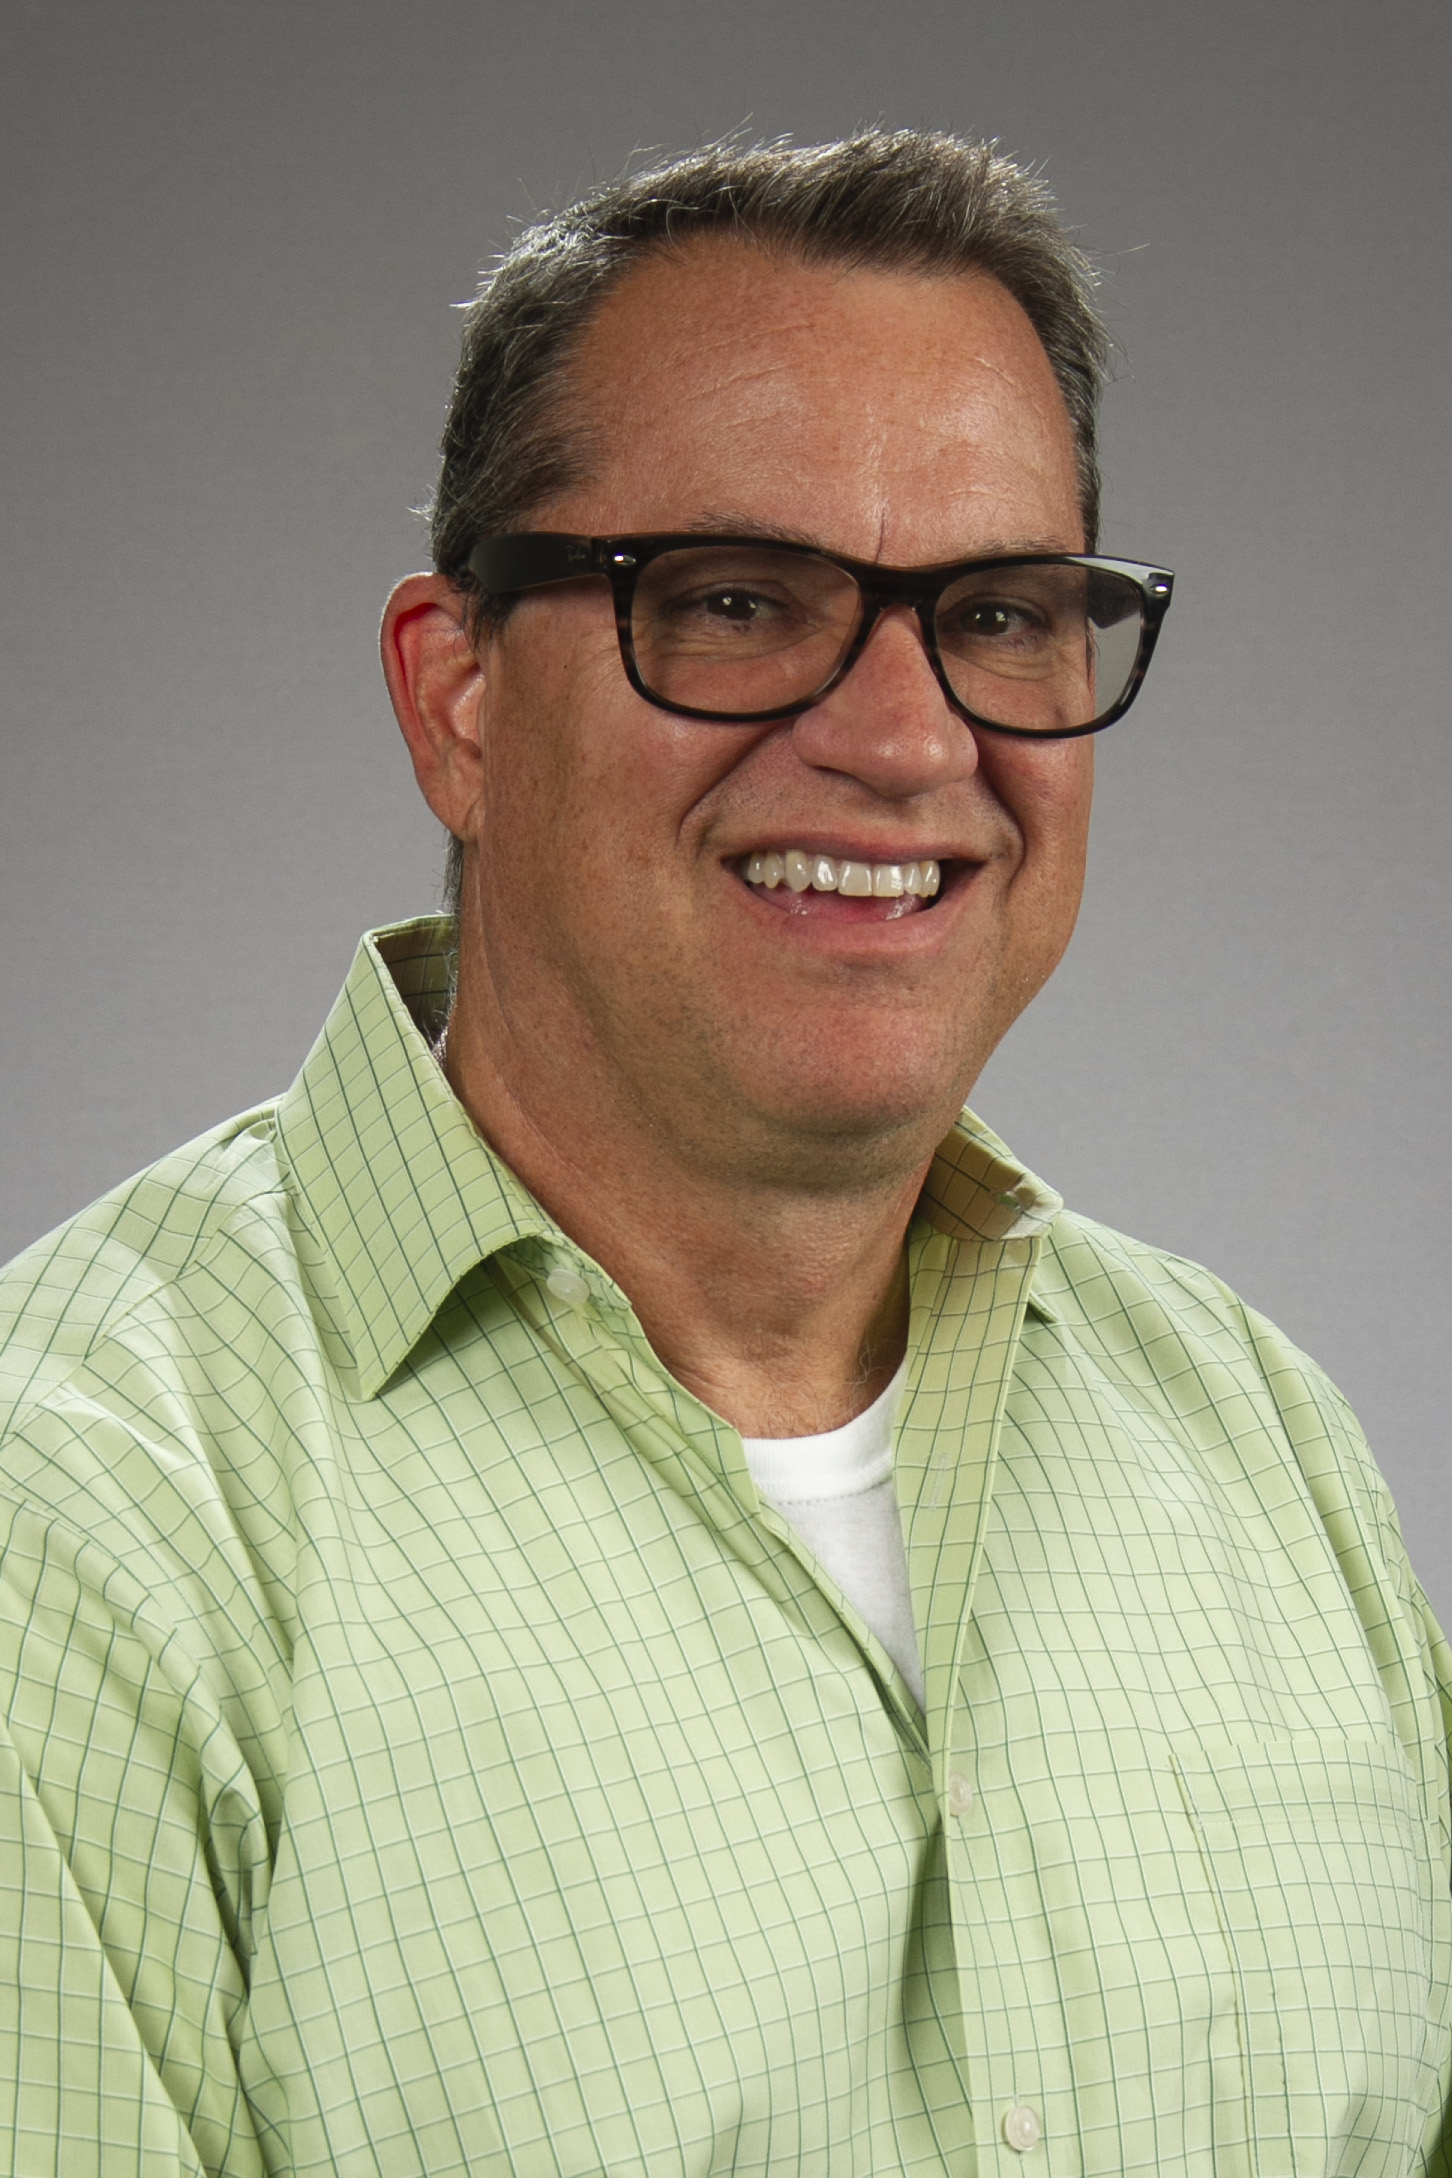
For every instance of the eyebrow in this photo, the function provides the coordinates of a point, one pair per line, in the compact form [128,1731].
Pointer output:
[741,525]
[728,524]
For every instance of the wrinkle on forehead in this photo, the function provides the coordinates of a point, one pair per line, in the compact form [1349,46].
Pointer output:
[722,374]
[731,522]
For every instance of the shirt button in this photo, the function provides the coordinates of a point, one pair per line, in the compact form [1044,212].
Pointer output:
[1021,2128]
[568,1286]
[960,1793]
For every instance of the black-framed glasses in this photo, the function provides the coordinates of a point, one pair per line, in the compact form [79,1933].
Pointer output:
[741,630]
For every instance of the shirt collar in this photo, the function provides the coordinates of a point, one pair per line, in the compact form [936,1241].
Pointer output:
[406,1196]
[976,1189]
[387,1166]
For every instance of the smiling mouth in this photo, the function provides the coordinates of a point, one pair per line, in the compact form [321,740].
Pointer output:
[800,878]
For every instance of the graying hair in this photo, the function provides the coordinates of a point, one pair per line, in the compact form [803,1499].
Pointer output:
[901,200]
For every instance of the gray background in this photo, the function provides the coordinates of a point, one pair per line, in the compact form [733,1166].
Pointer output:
[233,234]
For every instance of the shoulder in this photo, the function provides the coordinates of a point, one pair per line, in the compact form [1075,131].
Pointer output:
[1093,1272]
[1172,1334]
[138,1461]
[1124,1293]
[71,1291]
[1152,1315]
[1158,1344]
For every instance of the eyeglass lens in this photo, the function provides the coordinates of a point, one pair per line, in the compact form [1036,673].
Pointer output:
[735,629]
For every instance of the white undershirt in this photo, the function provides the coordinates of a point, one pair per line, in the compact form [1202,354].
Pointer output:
[836,1490]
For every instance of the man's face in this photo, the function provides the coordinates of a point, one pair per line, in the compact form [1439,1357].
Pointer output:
[884,416]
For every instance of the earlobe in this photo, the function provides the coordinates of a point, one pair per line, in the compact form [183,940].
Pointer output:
[436,683]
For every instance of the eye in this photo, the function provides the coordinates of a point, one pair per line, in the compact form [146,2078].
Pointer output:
[994,623]
[740,600]
[995,617]
[731,603]
[711,609]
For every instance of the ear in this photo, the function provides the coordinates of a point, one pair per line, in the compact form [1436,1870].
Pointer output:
[436,682]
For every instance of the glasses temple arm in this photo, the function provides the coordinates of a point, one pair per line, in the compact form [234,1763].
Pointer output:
[502,564]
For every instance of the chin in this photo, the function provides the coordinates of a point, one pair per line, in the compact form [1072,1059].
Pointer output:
[902,1115]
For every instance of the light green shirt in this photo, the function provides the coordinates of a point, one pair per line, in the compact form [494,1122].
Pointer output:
[427,1754]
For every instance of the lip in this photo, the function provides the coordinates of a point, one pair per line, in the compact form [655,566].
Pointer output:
[924,928]
[842,849]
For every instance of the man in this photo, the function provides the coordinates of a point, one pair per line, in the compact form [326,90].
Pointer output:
[610,1586]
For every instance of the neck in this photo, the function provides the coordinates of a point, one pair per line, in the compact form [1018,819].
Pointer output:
[783,1308]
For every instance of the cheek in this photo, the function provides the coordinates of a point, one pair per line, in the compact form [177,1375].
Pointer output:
[534,747]
[1050,788]
[589,800]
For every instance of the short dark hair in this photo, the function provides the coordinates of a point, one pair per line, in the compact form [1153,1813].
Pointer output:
[902,200]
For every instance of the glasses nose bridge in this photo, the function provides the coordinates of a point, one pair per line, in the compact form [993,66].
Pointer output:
[880,594]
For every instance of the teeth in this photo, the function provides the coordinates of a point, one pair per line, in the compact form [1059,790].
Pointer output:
[923,878]
[859,880]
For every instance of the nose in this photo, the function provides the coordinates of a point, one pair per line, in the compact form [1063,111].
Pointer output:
[888,722]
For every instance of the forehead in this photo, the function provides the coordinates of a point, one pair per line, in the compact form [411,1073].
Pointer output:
[886,413]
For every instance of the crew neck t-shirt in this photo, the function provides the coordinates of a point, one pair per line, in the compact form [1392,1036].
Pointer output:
[836,1490]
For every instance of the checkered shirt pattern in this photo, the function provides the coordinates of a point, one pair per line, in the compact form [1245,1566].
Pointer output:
[426,1754]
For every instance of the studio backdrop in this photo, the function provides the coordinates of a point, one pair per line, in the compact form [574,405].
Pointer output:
[234,235]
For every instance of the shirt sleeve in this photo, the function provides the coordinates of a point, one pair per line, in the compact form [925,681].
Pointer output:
[133,1856]
[1412,1654]
[1437,2148]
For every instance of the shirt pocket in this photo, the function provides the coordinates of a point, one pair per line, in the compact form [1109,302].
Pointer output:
[1318,1859]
